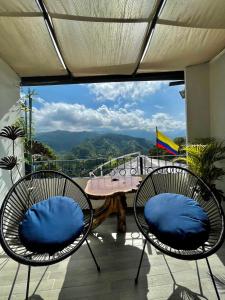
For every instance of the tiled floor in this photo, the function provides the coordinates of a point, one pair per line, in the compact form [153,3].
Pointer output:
[118,255]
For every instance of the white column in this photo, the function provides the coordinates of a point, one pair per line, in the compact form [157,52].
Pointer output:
[217,96]
[217,104]
[197,102]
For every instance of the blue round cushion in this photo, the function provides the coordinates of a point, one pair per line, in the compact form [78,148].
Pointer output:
[51,225]
[177,221]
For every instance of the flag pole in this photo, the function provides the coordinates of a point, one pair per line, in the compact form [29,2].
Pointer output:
[156,135]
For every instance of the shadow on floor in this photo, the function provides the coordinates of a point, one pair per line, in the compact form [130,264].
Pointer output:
[221,254]
[181,293]
[220,280]
[118,262]
[35,297]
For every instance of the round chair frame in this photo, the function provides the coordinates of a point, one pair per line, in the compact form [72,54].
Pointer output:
[150,187]
[179,180]
[32,189]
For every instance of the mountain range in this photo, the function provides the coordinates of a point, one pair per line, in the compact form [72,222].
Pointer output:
[93,144]
[62,141]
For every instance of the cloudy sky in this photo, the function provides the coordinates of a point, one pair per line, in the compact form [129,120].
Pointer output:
[109,106]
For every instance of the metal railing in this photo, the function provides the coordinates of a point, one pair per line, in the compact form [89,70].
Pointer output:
[150,163]
[73,168]
[129,164]
[119,165]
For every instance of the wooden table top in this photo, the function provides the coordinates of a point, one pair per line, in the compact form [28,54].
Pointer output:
[101,187]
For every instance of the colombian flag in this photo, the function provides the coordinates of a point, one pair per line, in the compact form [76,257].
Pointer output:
[163,142]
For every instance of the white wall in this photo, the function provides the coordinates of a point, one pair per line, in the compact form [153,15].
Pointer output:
[205,93]
[9,94]
[217,102]
[217,97]
[197,102]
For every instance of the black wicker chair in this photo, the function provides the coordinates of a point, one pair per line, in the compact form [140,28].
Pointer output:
[178,180]
[30,190]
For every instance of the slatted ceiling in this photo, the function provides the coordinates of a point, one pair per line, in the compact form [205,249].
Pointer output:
[121,9]
[194,13]
[99,48]
[174,47]
[25,44]
[12,6]
[123,69]
[98,43]
[100,37]
[188,33]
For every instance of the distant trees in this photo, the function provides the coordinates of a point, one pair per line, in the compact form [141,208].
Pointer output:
[110,145]
[33,150]
[180,141]
[44,151]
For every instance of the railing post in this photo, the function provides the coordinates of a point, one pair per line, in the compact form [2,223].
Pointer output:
[141,165]
[101,171]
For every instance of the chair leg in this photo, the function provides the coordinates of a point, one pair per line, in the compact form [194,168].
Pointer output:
[28,282]
[139,267]
[92,254]
[213,280]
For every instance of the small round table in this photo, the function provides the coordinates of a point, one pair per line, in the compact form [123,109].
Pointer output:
[113,190]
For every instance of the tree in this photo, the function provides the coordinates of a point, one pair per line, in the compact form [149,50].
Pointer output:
[43,150]
[154,151]
[180,141]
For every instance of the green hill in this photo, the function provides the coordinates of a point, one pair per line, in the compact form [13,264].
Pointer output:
[110,145]
[64,141]
[92,144]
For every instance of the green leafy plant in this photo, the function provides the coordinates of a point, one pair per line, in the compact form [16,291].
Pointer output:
[203,160]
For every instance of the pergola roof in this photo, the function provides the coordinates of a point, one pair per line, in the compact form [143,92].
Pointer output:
[48,41]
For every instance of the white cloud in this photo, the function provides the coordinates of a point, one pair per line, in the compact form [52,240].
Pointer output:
[76,117]
[39,100]
[158,106]
[36,99]
[132,91]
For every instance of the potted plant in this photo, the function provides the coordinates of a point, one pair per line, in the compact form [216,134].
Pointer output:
[203,158]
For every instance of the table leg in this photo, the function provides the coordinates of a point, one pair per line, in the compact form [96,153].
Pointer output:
[102,213]
[121,214]
[113,204]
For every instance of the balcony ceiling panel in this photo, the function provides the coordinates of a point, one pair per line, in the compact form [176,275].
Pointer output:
[174,47]
[96,48]
[100,37]
[194,13]
[25,44]
[18,6]
[101,9]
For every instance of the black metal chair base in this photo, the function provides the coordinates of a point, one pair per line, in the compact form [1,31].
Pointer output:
[92,254]
[29,270]
[139,267]
[207,261]
[213,280]
[28,282]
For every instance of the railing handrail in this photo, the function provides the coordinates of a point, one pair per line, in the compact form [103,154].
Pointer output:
[67,160]
[166,155]
[115,158]
[133,163]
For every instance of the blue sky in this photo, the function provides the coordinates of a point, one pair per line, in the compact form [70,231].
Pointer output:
[110,106]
